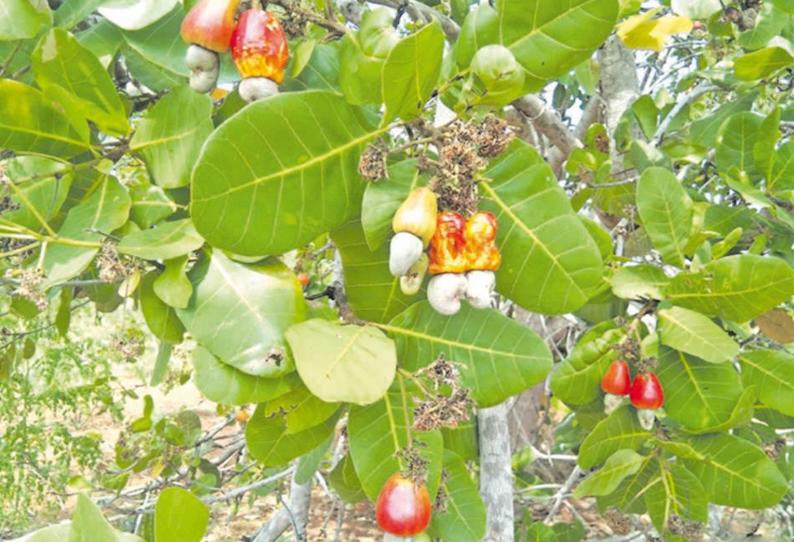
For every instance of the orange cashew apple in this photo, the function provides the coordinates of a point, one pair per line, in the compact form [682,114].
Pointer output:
[207,27]
[260,51]
[482,259]
[447,263]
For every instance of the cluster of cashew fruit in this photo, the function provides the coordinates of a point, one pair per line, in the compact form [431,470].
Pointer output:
[257,40]
[645,392]
[462,254]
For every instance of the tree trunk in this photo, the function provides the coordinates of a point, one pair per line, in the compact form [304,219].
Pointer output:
[496,473]
[294,514]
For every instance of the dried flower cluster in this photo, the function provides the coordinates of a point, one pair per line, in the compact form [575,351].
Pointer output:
[415,466]
[373,165]
[28,285]
[443,409]
[112,268]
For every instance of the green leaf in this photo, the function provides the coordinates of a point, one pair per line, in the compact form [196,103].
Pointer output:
[666,212]
[172,285]
[150,205]
[135,14]
[240,313]
[166,241]
[61,61]
[31,124]
[768,24]
[762,63]
[772,372]
[161,46]
[352,364]
[363,54]
[577,380]
[736,473]
[700,396]
[171,134]
[464,518]
[321,73]
[271,444]
[40,189]
[642,281]
[302,410]
[102,211]
[309,464]
[674,490]
[781,175]
[604,481]
[547,38]
[72,12]
[179,516]
[160,318]
[383,198]
[164,351]
[23,19]
[497,356]
[88,525]
[621,430]
[550,263]
[372,292]
[705,131]
[736,143]
[695,334]
[345,482]
[411,72]
[379,431]
[64,316]
[736,288]
[307,150]
[221,383]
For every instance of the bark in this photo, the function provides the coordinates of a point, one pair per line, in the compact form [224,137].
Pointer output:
[548,123]
[496,473]
[293,514]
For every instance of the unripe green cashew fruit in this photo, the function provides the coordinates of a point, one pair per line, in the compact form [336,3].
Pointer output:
[500,74]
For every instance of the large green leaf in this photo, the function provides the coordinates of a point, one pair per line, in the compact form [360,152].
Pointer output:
[31,124]
[736,143]
[695,334]
[338,363]
[547,38]
[88,525]
[363,54]
[577,380]
[700,396]
[40,189]
[378,432]
[150,205]
[764,62]
[344,481]
[173,286]
[666,212]
[373,293]
[673,490]
[621,430]
[271,444]
[179,516]
[411,72]
[383,198]
[106,208]
[550,263]
[497,356]
[639,281]
[736,288]
[61,61]
[301,409]
[604,481]
[772,371]
[279,173]
[240,313]
[170,136]
[464,518]
[160,318]
[736,472]
[22,19]
[165,241]
[222,383]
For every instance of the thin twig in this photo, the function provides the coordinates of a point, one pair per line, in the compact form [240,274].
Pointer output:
[562,493]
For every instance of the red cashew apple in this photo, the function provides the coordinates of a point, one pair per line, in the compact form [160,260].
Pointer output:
[403,507]
[617,379]
[647,396]
[207,27]
[260,51]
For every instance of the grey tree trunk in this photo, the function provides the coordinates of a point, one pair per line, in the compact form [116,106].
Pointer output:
[294,515]
[496,473]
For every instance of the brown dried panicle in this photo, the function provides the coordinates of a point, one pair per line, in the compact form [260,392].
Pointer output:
[443,410]
[110,265]
[493,136]
[294,23]
[618,522]
[28,285]
[442,372]
[130,346]
[373,165]
[689,530]
[440,505]
[414,465]
[774,449]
